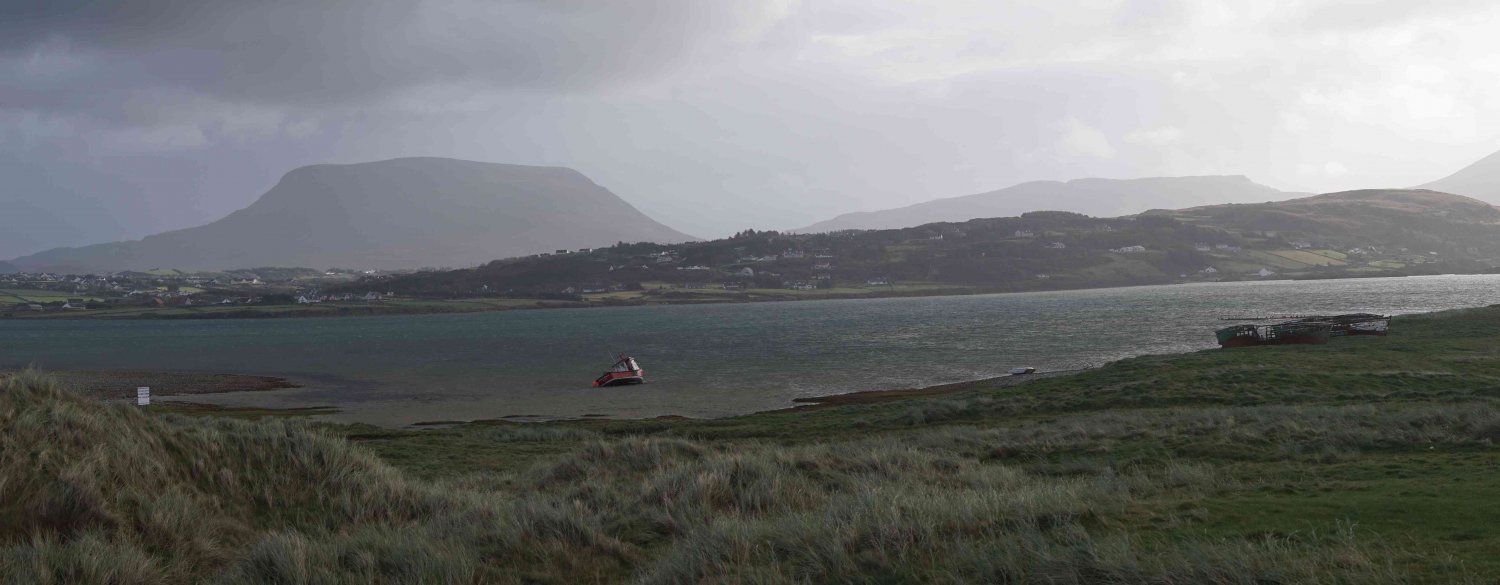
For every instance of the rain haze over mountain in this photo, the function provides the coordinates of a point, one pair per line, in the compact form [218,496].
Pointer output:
[122,120]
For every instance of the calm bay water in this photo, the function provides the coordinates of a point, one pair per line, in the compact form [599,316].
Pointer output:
[706,360]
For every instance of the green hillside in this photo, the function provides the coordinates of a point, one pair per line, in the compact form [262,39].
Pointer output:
[1358,233]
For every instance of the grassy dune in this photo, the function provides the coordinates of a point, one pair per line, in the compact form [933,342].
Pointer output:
[1363,461]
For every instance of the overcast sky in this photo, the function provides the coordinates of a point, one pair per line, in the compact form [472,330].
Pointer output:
[121,119]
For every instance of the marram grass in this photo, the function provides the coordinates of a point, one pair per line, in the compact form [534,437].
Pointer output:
[99,493]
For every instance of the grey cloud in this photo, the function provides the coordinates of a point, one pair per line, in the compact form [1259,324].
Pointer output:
[717,116]
[289,52]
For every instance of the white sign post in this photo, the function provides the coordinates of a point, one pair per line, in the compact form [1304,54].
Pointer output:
[143,396]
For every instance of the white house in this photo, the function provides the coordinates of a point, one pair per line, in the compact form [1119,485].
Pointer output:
[1025,234]
[1057,245]
[1264,272]
[1210,270]
[1130,249]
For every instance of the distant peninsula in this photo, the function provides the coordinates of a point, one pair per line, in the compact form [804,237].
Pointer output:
[1337,235]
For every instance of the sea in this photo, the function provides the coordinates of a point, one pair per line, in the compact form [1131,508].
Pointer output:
[700,360]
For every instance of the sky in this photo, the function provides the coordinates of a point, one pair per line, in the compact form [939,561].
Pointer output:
[123,119]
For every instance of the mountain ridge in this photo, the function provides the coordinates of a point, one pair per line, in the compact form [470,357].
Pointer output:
[396,213]
[1090,196]
[1480,179]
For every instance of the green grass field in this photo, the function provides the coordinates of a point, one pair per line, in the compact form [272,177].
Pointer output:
[1309,258]
[1362,461]
[1273,261]
[32,296]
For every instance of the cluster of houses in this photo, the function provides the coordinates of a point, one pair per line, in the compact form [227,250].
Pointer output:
[139,289]
[740,270]
[1263,272]
[745,271]
[312,298]
[1228,248]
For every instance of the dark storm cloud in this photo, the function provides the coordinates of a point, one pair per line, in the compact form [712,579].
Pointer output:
[295,52]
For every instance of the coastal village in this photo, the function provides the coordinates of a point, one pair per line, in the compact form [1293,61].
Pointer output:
[23,293]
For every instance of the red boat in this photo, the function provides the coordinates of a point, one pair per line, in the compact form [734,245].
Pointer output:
[624,372]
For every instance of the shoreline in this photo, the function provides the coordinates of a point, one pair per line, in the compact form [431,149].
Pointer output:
[121,384]
[879,396]
[453,306]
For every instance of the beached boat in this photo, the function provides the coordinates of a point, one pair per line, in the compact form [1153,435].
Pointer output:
[1288,333]
[1022,371]
[625,371]
[1353,324]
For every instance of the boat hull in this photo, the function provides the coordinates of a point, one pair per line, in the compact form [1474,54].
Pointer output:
[610,379]
[1292,339]
[1281,334]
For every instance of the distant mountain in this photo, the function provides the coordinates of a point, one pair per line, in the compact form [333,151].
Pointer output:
[1095,197]
[1480,180]
[402,213]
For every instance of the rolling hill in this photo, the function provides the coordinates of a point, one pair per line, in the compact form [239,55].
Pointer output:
[1479,180]
[401,213]
[1096,197]
[1349,234]
[1439,218]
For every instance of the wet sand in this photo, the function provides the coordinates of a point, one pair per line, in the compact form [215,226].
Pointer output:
[121,384]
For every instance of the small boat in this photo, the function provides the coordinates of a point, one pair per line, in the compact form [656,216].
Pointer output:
[625,371]
[1302,332]
[1022,371]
